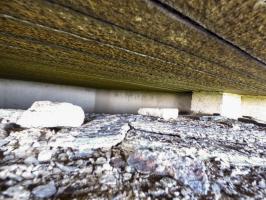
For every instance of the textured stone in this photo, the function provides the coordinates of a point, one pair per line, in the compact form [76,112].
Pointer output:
[3,142]
[99,133]
[44,191]
[186,158]
[17,193]
[10,115]
[186,170]
[203,134]
[49,114]
[45,156]
[100,161]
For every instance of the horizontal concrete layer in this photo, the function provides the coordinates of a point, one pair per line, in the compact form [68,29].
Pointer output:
[241,22]
[229,105]
[21,94]
[254,106]
[120,44]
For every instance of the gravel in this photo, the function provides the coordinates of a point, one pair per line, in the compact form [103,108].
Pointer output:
[134,157]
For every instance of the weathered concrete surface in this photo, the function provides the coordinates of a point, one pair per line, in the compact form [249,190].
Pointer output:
[229,105]
[11,94]
[119,44]
[240,22]
[254,106]
[91,100]
[226,104]
[206,102]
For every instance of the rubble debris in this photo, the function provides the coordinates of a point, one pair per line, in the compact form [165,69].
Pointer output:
[44,191]
[10,115]
[52,114]
[135,157]
[99,133]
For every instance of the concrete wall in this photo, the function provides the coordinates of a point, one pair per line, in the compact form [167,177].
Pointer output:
[226,104]
[254,106]
[121,101]
[207,102]
[21,94]
[229,105]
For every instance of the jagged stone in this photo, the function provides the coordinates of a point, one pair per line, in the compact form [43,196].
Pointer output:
[10,115]
[230,145]
[189,171]
[52,114]
[99,133]
[45,155]
[183,159]
[3,142]
[44,191]
[17,193]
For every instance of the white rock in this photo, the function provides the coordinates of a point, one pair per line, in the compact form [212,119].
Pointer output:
[86,170]
[127,176]
[165,113]
[67,169]
[31,161]
[44,191]
[17,193]
[45,156]
[52,114]
[10,115]
[100,161]
[3,142]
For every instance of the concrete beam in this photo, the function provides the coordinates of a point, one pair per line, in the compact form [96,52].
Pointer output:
[229,105]
[254,106]
[21,94]
[226,104]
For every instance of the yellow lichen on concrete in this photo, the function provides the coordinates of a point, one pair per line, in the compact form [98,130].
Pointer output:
[238,21]
[122,42]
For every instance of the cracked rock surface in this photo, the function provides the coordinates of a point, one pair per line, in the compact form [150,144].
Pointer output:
[133,157]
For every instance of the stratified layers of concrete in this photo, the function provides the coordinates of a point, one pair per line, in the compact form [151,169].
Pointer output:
[239,21]
[114,44]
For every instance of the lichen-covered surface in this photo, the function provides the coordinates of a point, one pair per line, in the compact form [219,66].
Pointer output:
[241,22]
[119,44]
[133,157]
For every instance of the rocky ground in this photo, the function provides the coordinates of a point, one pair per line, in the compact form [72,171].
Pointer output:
[133,157]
